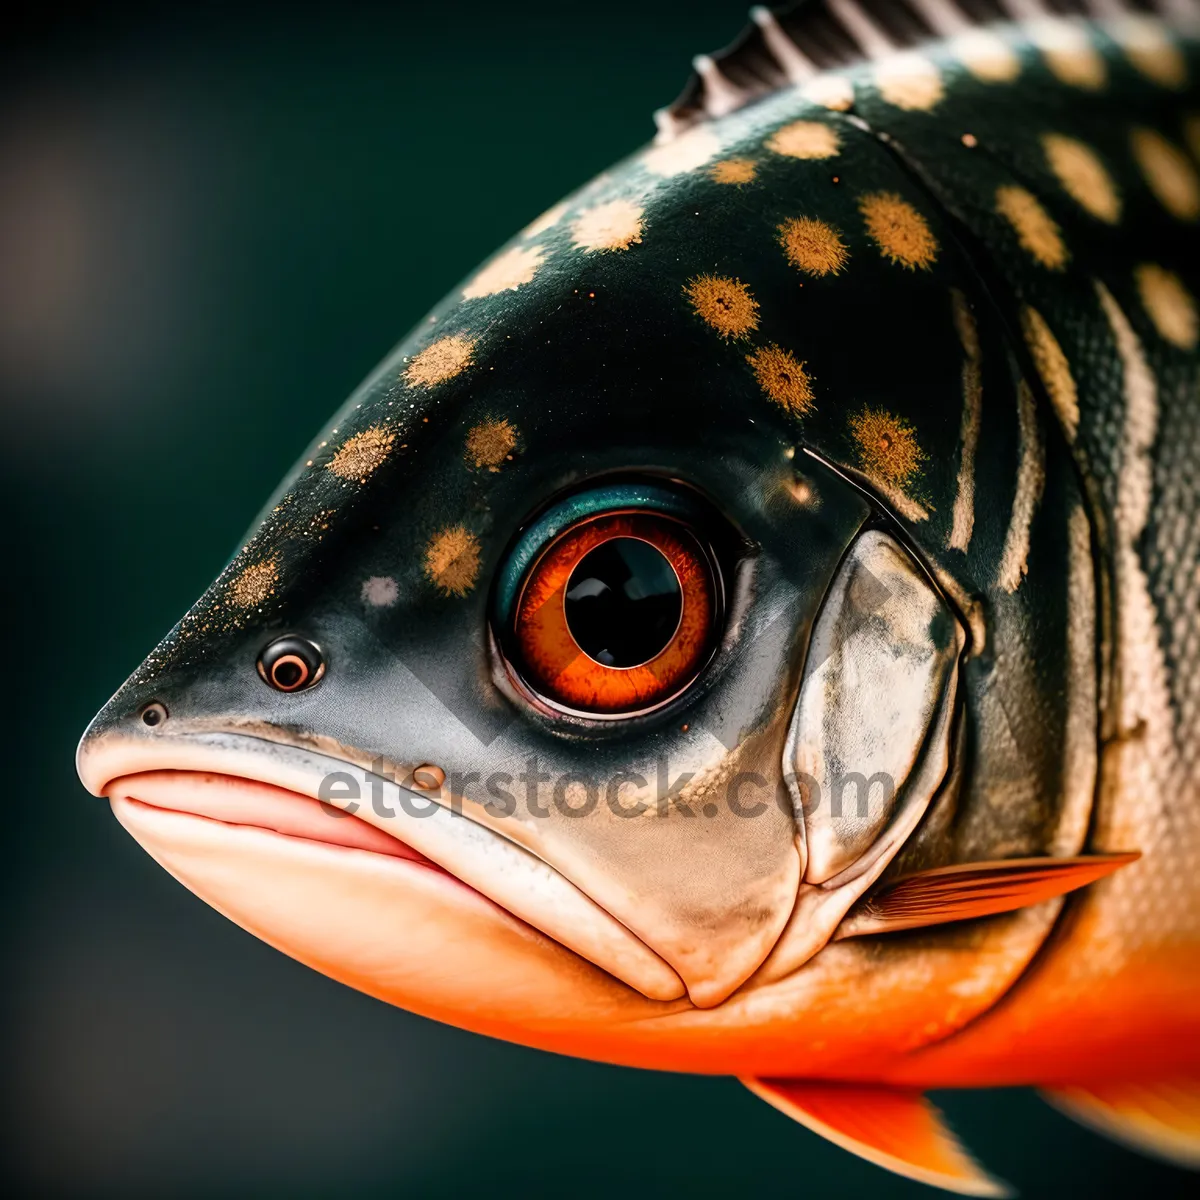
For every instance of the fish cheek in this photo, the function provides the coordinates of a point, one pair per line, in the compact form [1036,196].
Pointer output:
[682,825]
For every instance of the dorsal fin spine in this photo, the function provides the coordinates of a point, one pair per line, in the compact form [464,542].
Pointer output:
[1026,10]
[874,41]
[795,64]
[796,43]
[1108,10]
[721,96]
[943,16]
[1178,10]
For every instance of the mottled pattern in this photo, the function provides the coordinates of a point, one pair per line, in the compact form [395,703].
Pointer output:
[952,290]
[1112,346]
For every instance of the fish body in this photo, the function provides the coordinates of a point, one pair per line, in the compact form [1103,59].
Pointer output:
[895,367]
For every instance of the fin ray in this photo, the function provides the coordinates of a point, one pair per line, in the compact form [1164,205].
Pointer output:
[1160,1119]
[897,1129]
[826,35]
[969,890]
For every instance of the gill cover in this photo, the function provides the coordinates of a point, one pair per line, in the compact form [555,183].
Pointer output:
[869,745]
[870,741]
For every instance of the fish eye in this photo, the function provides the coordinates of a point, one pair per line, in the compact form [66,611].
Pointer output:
[616,611]
[154,713]
[290,664]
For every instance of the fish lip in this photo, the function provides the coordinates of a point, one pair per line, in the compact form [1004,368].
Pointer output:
[145,789]
[107,756]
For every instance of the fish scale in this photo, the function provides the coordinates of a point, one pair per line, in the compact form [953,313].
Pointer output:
[1175,543]
[1146,803]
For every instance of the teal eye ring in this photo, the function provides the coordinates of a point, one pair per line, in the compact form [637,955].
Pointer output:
[611,601]
[593,502]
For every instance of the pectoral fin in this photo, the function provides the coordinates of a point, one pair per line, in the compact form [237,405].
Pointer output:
[894,1128]
[974,890]
[1161,1119]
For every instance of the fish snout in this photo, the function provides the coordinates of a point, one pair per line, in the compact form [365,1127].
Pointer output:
[139,723]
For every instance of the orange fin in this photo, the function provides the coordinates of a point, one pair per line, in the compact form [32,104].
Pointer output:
[894,1128]
[1162,1119]
[974,890]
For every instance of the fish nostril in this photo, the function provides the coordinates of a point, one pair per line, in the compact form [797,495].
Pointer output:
[154,714]
[428,777]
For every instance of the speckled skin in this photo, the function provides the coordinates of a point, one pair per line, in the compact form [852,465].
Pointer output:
[600,363]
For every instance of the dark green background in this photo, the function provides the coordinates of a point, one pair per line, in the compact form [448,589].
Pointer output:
[210,228]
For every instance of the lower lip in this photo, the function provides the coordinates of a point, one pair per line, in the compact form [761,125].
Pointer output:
[235,801]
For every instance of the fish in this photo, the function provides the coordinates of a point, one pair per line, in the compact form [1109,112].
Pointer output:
[751,626]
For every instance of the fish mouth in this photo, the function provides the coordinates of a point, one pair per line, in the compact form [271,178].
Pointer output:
[395,894]
[454,922]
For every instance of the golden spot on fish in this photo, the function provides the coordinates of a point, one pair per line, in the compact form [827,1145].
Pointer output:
[834,92]
[254,585]
[805,139]
[1053,369]
[733,170]
[505,273]
[1083,176]
[1036,230]
[1149,49]
[380,591]
[439,361]
[362,454]
[987,56]
[813,246]
[726,304]
[614,225]
[682,154]
[782,376]
[1168,173]
[490,442]
[1068,53]
[909,82]
[901,233]
[547,220]
[887,446]
[1168,304]
[452,560]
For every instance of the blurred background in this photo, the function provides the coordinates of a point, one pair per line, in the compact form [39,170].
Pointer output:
[212,224]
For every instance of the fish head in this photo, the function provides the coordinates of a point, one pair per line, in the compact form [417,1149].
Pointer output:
[497,712]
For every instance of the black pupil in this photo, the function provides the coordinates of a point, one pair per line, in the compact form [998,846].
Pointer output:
[623,602]
[288,674]
[151,716]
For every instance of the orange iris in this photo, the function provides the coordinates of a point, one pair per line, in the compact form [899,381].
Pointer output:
[554,661]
